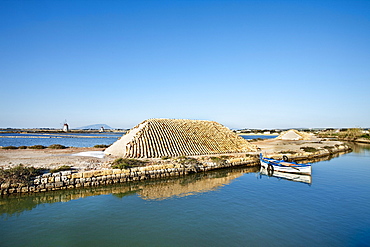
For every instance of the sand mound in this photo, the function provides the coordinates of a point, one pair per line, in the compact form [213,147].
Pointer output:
[295,135]
[156,138]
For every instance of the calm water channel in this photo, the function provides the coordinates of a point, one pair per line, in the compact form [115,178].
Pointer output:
[238,207]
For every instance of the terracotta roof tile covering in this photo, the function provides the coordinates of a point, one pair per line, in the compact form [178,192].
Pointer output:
[155,138]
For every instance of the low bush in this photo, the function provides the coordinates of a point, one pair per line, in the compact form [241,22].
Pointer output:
[218,160]
[18,174]
[57,146]
[37,147]
[61,168]
[101,146]
[367,136]
[252,155]
[122,163]
[22,147]
[288,152]
[329,147]
[309,149]
[10,147]
[187,160]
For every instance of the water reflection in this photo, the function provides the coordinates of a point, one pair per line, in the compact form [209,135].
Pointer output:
[307,179]
[360,148]
[148,190]
[151,189]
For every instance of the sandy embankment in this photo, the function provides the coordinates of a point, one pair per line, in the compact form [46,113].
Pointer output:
[275,146]
[54,158]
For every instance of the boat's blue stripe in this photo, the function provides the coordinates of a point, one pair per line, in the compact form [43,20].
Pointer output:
[276,163]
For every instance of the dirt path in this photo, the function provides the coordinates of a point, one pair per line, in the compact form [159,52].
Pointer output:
[53,158]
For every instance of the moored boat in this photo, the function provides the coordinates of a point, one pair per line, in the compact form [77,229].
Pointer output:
[284,165]
[301,178]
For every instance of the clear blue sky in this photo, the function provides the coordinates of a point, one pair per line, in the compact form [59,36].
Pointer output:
[245,64]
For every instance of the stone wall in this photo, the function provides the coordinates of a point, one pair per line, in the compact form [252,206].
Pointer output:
[70,180]
[321,152]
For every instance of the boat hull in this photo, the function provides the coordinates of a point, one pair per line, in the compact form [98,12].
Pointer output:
[272,165]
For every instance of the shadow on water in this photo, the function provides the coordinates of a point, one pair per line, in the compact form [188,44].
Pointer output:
[156,189]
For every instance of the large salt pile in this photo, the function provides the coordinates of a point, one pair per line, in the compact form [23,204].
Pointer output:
[295,135]
[156,138]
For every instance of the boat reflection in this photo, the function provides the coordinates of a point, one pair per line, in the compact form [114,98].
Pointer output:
[307,179]
[158,189]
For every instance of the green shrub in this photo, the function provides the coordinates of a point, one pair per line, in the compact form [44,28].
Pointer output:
[309,149]
[61,168]
[37,147]
[367,136]
[57,146]
[329,147]
[165,157]
[252,155]
[18,174]
[122,163]
[288,152]
[218,160]
[10,147]
[101,146]
[22,147]
[187,160]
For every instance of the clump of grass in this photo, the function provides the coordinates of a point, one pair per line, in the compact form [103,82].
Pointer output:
[165,157]
[18,175]
[101,146]
[10,147]
[329,147]
[288,152]
[256,139]
[251,155]
[367,136]
[122,163]
[187,160]
[309,149]
[37,147]
[218,160]
[57,146]
[61,168]
[22,147]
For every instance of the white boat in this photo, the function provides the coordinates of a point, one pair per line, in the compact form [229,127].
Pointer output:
[272,165]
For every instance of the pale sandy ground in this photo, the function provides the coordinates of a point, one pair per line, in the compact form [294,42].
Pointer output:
[273,146]
[54,158]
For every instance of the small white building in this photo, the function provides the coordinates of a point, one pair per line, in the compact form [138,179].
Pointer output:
[65,127]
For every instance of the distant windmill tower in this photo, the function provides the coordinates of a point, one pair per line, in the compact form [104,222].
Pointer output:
[65,126]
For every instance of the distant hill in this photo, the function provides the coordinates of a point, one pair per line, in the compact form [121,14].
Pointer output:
[94,127]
